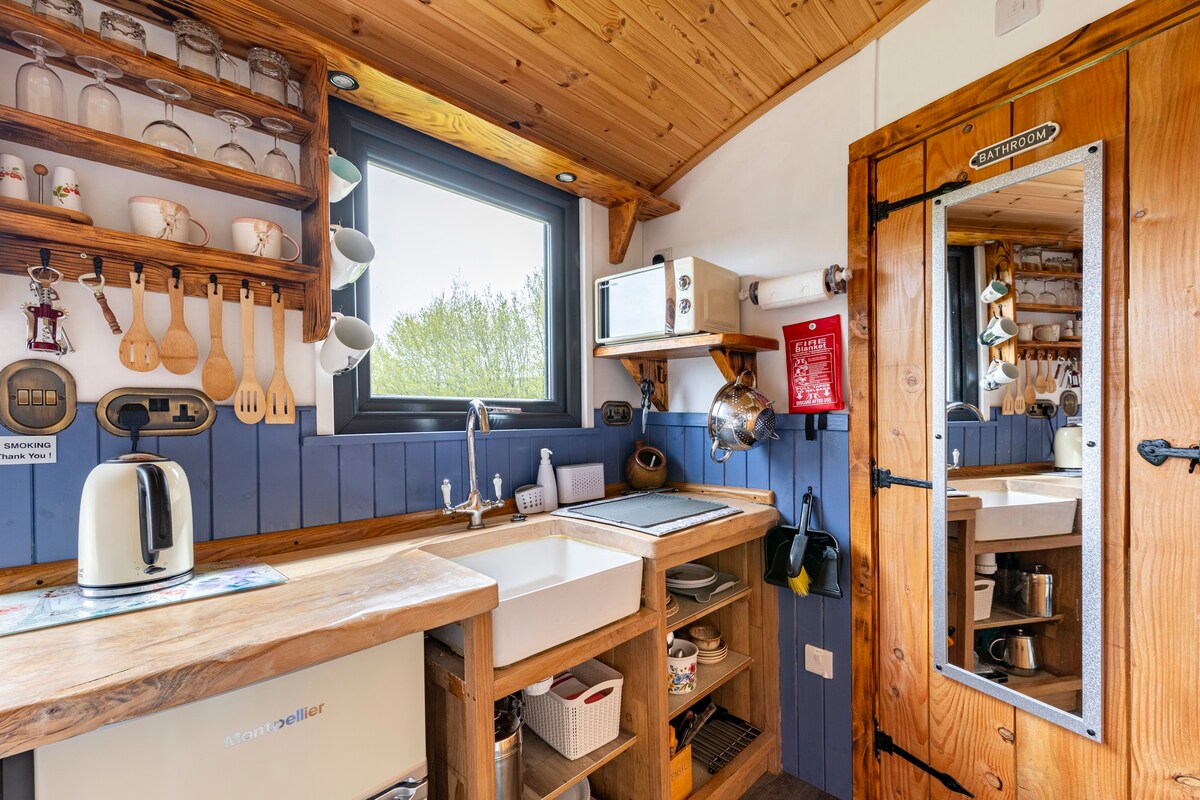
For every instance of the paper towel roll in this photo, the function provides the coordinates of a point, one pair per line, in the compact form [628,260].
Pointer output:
[794,290]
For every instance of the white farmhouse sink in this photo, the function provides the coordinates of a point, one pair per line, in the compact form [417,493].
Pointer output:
[552,589]
[1016,508]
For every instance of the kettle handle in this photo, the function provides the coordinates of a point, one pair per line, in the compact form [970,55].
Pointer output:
[154,505]
[713,453]
[991,649]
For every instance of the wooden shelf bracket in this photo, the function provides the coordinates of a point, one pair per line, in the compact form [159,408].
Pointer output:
[654,369]
[621,219]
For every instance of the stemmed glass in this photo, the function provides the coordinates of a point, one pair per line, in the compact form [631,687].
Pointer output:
[165,133]
[99,108]
[39,89]
[231,153]
[1047,297]
[276,163]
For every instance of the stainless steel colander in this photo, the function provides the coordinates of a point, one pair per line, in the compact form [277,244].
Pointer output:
[740,418]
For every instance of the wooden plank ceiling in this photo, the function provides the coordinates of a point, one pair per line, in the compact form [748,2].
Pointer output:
[635,88]
[627,94]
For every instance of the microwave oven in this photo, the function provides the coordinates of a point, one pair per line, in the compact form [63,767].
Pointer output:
[676,298]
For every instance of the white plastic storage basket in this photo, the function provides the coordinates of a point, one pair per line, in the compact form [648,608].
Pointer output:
[579,482]
[983,598]
[577,727]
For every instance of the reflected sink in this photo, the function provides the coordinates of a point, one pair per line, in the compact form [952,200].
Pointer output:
[1021,508]
[552,589]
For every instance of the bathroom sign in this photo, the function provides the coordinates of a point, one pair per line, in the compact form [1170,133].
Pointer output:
[28,450]
[1033,138]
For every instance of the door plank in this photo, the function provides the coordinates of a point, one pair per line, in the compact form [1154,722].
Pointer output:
[903,514]
[1090,105]
[1164,201]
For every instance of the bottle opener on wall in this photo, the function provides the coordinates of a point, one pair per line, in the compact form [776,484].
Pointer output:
[95,284]
[45,333]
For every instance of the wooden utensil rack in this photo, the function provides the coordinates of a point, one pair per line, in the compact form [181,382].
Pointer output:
[732,353]
[303,286]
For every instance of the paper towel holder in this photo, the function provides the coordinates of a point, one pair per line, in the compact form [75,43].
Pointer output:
[836,279]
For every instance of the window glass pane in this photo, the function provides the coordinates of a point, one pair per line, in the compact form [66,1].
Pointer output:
[458,292]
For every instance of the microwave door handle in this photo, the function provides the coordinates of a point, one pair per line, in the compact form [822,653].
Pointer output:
[669,318]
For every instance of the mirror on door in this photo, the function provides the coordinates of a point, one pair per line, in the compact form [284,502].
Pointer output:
[1017,358]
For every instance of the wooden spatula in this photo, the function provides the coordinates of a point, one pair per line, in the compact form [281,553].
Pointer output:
[1019,402]
[1030,391]
[281,403]
[138,350]
[250,405]
[178,349]
[1007,408]
[217,377]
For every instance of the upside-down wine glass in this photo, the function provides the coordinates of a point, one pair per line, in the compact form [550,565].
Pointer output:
[231,153]
[276,163]
[39,89]
[164,132]
[99,108]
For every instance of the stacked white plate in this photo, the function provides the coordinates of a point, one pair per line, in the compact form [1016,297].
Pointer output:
[690,576]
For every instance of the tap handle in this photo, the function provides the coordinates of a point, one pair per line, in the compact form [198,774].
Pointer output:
[446,491]
[499,484]
[956,454]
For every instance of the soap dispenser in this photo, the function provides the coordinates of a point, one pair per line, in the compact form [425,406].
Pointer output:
[545,477]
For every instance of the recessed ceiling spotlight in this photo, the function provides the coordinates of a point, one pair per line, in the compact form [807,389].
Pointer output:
[342,80]
[566,177]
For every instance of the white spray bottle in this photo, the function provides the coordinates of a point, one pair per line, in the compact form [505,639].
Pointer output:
[545,477]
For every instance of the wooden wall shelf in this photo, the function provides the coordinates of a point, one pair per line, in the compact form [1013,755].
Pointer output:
[1044,308]
[1045,275]
[120,151]
[207,95]
[73,246]
[548,774]
[732,353]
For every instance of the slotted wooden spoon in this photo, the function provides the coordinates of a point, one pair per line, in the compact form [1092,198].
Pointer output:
[1019,401]
[178,349]
[281,403]
[1030,391]
[217,377]
[1007,408]
[138,350]
[249,404]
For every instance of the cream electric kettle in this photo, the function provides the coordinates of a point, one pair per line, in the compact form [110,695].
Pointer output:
[135,526]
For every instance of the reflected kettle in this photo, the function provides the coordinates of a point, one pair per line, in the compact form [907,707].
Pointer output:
[135,526]
[1068,448]
[1019,653]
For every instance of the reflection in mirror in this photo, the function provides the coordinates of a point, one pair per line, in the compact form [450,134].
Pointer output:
[1017,352]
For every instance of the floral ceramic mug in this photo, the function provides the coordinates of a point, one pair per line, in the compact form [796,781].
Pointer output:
[66,189]
[14,182]
[681,668]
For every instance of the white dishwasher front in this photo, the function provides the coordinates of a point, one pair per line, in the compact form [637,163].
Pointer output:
[347,729]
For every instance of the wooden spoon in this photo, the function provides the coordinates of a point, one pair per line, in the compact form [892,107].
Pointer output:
[138,351]
[217,377]
[250,405]
[178,349]
[1030,391]
[281,403]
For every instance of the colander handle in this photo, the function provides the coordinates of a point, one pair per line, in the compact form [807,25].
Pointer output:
[742,374]
[713,453]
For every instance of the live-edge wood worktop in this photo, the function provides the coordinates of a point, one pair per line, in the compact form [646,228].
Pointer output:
[63,681]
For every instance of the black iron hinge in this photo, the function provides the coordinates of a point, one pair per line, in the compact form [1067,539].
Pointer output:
[886,744]
[883,478]
[879,210]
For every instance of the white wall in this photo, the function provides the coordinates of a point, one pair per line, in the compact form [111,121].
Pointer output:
[772,201]
[105,191]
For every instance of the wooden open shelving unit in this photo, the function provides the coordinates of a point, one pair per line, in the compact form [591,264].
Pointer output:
[732,352]
[303,286]
[691,610]
[548,774]
[709,678]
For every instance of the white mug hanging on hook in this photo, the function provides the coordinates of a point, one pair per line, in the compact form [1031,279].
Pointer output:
[351,252]
[1000,329]
[343,177]
[998,374]
[348,342]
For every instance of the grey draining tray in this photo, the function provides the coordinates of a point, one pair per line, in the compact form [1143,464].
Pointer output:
[652,513]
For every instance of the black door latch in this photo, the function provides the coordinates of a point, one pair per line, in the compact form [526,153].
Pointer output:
[883,478]
[886,744]
[1157,451]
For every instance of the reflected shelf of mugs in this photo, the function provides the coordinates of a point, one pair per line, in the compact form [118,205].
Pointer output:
[206,94]
[23,235]
[1047,308]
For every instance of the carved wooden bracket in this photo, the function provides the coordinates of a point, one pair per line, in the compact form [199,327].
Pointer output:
[656,370]
[621,219]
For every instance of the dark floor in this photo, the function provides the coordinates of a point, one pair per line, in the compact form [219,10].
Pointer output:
[784,787]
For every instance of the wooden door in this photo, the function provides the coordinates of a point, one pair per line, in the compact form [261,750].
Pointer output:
[995,751]
[1164,403]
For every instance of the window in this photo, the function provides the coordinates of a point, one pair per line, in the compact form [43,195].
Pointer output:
[474,290]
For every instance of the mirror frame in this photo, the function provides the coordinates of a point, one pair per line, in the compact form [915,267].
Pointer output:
[1088,723]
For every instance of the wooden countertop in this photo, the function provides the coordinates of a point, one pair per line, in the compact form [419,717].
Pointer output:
[59,682]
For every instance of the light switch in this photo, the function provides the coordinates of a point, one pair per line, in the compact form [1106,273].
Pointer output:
[1012,14]
[818,661]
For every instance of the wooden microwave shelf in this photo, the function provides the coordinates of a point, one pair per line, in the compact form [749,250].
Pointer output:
[73,246]
[208,95]
[120,151]
[687,346]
